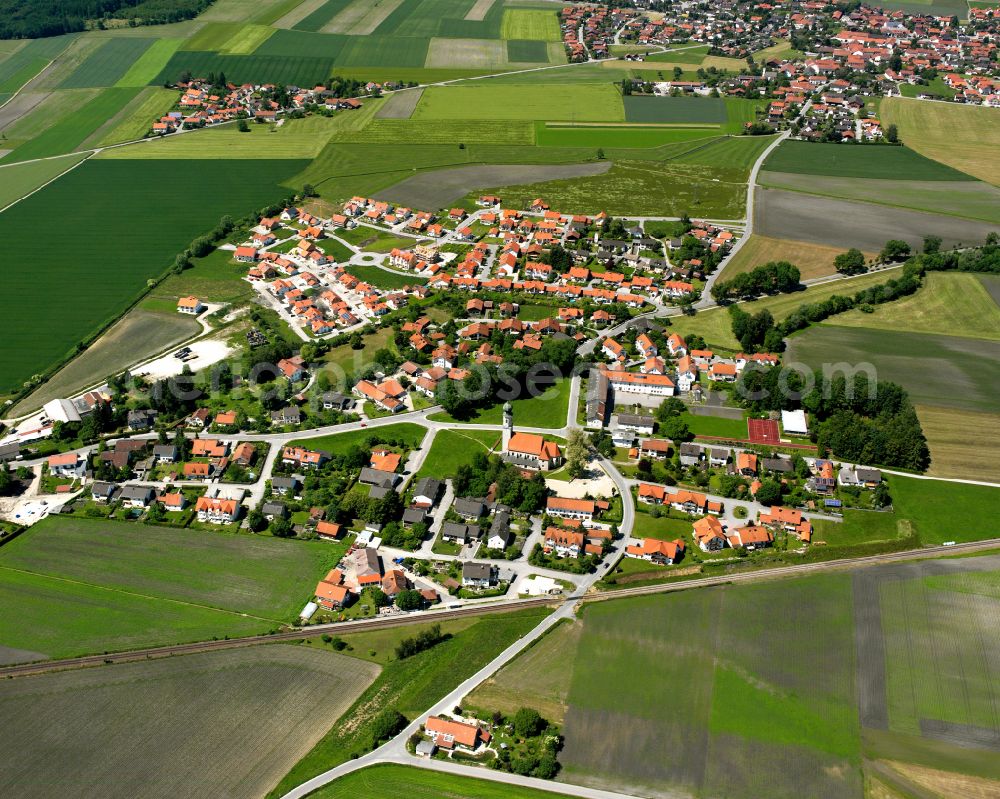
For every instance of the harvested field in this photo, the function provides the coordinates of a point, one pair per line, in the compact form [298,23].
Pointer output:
[943,371]
[953,434]
[136,336]
[479,10]
[947,783]
[438,188]
[361,18]
[843,223]
[964,137]
[400,105]
[813,260]
[972,199]
[20,106]
[466,53]
[236,720]
[948,304]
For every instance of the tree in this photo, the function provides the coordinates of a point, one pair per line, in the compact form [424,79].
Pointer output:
[256,521]
[894,250]
[932,244]
[409,600]
[242,126]
[577,452]
[769,493]
[851,262]
[528,722]
[385,725]
[880,496]
[892,134]
[378,596]
[600,153]
[282,528]
[6,481]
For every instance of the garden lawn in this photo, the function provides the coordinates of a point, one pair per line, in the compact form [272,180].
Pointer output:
[556,102]
[663,528]
[113,235]
[407,433]
[716,426]
[391,781]
[547,410]
[74,585]
[454,448]
[411,686]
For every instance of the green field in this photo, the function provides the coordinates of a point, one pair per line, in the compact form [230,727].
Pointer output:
[555,102]
[555,135]
[858,161]
[411,685]
[69,133]
[148,65]
[547,410]
[390,782]
[943,371]
[108,63]
[18,180]
[453,448]
[109,215]
[384,278]
[716,426]
[141,719]
[29,60]
[427,131]
[947,304]
[675,110]
[527,51]
[136,119]
[77,585]
[289,69]
[524,23]
[406,433]
[942,512]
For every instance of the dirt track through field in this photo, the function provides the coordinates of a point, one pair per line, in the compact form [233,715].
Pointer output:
[441,187]
[845,223]
[20,106]
[479,11]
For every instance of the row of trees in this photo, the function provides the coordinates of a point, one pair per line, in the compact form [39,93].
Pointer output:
[774,276]
[420,642]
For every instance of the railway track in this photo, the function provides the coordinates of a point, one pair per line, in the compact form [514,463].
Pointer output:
[341,628]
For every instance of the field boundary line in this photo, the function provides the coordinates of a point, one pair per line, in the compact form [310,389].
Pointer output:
[139,594]
[37,75]
[51,180]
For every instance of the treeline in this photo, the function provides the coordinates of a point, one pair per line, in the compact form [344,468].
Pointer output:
[860,419]
[774,276]
[420,642]
[40,18]
[512,488]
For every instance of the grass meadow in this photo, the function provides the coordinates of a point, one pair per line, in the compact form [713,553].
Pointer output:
[148,65]
[454,448]
[76,585]
[389,781]
[530,23]
[411,685]
[548,410]
[953,434]
[675,110]
[383,278]
[966,138]
[408,433]
[116,235]
[142,719]
[554,102]
[21,179]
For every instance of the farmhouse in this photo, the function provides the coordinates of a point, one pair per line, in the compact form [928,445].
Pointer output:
[448,734]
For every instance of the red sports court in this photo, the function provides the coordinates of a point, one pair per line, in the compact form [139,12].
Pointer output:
[762,431]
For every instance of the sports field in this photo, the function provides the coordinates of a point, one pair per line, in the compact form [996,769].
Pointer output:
[876,162]
[392,781]
[555,102]
[964,137]
[138,721]
[105,234]
[78,585]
